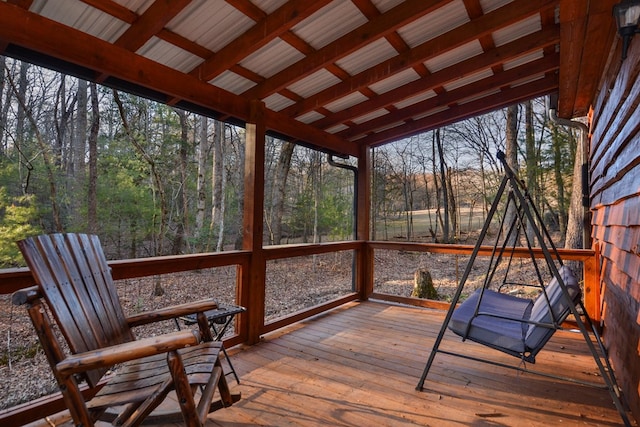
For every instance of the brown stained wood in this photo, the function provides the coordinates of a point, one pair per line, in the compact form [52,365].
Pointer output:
[421,53]
[75,282]
[252,238]
[271,27]
[505,78]
[377,27]
[359,366]
[459,112]
[56,39]
[152,20]
[491,58]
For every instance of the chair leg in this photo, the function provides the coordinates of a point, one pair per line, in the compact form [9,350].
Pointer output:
[136,413]
[183,390]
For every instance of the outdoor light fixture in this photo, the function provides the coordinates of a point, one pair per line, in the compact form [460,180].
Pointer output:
[627,14]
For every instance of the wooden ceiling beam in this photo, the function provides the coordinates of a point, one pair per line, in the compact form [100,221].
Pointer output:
[266,30]
[378,27]
[486,85]
[59,41]
[481,26]
[489,59]
[114,9]
[456,113]
[150,23]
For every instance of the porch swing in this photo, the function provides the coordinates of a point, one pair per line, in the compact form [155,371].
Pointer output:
[514,325]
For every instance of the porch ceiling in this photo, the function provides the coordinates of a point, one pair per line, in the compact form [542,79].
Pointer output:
[336,74]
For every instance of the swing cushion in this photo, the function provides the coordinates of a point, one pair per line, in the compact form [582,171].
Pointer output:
[502,319]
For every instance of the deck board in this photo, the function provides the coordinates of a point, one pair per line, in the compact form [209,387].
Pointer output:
[359,364]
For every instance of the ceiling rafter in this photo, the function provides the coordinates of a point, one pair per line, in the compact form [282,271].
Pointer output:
[375,28]
[114,9]
[70,45]
[150,23]
[257,36]
[509,51]
[460,112]
[459,36]
[369,106]
[503,79]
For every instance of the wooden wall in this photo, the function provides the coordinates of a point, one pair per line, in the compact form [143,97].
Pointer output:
[615,206]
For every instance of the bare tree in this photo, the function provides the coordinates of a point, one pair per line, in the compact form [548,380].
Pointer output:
[92,216]
[511,148]
[203,152]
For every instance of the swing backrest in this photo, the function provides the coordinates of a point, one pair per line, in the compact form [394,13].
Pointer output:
[552,309]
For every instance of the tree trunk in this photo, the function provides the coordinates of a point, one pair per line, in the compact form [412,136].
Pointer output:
[575,221]
[280,183]
[92,208]
[532,165]
[559,180]
[511,149]
[423,285]
[445,191]
[203,150]
[216,178]
[179,240]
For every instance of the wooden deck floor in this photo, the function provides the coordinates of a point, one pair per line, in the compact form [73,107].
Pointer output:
[358,366]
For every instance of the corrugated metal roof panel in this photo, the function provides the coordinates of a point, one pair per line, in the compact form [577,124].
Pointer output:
[482,74]
[275,56]
[478,96]
[210,23]
[137,6]
[490,5]
[329,23]
[169,55]
[346,102]
[82,17]
[459,54]
[539,54]
[232,82]
[277,102]
[370,116]
[385,5]
[528,80]
[517,30]
[415,99]
[337,128]
[436,110]
[389,126]
[395,81]
[268,6]
[314,83]
[368,56]
[310,117]
[435,23]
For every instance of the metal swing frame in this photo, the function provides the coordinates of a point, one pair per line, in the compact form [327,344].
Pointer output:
[526,211]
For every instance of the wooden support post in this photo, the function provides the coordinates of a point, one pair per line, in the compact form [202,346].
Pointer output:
[364,265]
[253,297]
[592,286]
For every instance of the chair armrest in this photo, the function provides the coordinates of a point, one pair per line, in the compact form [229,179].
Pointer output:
[109,356]
[172,312]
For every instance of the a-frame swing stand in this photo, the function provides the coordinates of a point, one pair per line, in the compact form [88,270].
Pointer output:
[527,213]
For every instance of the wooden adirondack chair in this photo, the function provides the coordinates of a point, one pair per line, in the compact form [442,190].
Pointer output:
[74,284]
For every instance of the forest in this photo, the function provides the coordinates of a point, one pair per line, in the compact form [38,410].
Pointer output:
[151,179]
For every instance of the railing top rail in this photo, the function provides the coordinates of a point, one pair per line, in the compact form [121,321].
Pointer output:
[445,248]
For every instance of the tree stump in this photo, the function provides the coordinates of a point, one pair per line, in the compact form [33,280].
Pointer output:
[423,285]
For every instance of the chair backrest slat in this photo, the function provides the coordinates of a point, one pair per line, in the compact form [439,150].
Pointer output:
[76,282]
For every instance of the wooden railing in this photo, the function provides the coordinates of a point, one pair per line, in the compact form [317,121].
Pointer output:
[588,258]
[246,290]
